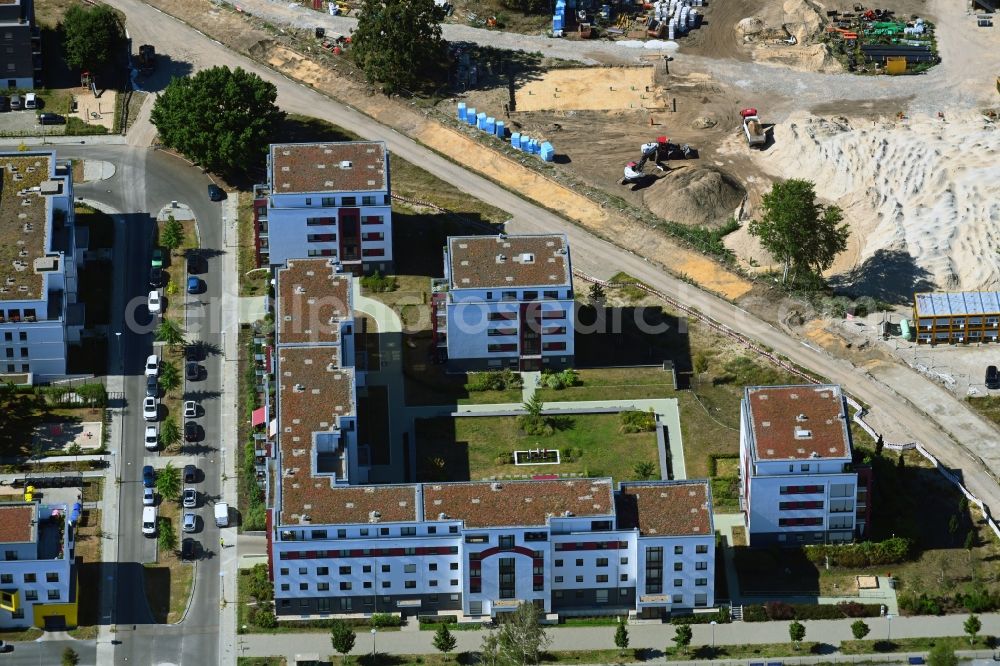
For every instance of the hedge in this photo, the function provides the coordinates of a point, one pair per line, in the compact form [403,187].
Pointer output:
[863,554]
[779,610]
[721,616]
[714,458]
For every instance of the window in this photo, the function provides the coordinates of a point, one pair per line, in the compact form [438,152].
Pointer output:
[343,571]
[407,531]
[701,582]
[320,221]
[678,566]
[677,599]
[477,538]
[701,566]
[432,530]
[553,346]
[303,571]
[367,585]
[453,566]
[804,467]
[506,578]
[321,238]
[6,579]
[383,531]
[328,202]
[502,316]
[409,551]
[505,347]
[28,577]
[600,525]
[368,200]
[433,583]
[31,595]
[432,566]
[453,582]
[507,542]
[8,336]
[678,582]
[654,554]
[603,578]
[623,578]
[579,562]
[558,563]
[24,352]
[508,295]
[579,579]
[349,201]
[364,532]
[323,587]
[386,568]
[559,579]
[623,561]
[453,529]
[799,522]
[366,568]
[678,550]
[601,596]
[409,568]
[285,587]
[372,219]
[325,571]
[602,561]
[323,605]
[536,536]
[309,201]
[537,585]
[345,604]
[385,584]
[53,595]
[701,550]
[303,587]
[410,584]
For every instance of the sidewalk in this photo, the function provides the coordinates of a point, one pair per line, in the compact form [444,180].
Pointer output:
[656,637]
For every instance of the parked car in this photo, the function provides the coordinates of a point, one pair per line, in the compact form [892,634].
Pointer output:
[152,387]
[216,193]
[148,476]
[16,104]
[51,119]
[195,263]
[189,549]
[157,260]
[191,431]
[192,352]
[152,438]
[190,498]
[155,277]
[148,497]
[150,409]
[6,647]
[192,371]
[190,474]
[190,522]
[152,365]
[190,409]
[193,285]
[149,521]
[4,103]
[992,377]
[30,100]
[154,303]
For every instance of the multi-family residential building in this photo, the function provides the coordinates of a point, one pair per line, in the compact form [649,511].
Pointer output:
[38,585]
[326,200]
[798,481]
[480,548]
[40,253]
[21,43]
[949,317]
[504,302]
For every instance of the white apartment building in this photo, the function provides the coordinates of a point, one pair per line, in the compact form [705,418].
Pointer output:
[798,482]
[504,302]
[478,548]
[39,258]
[326,200]
[38,585]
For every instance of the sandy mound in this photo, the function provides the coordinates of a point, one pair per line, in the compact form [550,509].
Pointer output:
[922,196]
[695,196]
[808,58]
[750,26]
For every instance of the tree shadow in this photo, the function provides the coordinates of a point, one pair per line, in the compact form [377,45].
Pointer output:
[889,275]
[167,68]
[440,456]
[476,67]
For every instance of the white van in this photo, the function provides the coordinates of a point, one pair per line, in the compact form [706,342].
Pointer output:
[149,521]
[30,101]
[222,514]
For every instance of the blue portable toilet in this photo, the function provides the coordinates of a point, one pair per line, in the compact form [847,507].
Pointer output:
[461,110]
[557,23]
[515,140]
[470,116]
[481,120]
[548,152]
[526,143]
[500,130]
[534,146]
[491,125]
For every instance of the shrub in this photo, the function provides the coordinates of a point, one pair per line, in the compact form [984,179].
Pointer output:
[722,616]
[920,605]
[378,283]
[494,380]
[537,426]
[266,619]
[636,421]
[754,613]
[505,458]
[864,554]
[978,601]
[385,620]
[561,380]
[779,610]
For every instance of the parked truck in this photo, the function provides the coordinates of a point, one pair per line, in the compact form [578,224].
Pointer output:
[754,131]
[222,514]
[147,58]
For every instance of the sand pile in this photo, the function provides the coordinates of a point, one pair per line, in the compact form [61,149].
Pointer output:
[750,26]
[695,196]
[921,196]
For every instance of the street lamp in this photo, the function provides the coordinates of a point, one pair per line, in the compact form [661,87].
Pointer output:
[713,623]
[373,643]
[121,358]
[888,636]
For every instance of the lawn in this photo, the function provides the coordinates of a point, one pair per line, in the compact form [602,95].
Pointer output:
[636,383]
[23,411]
[473,448]
[169,582]
[88,567]
[427,383]
[261,661]
[988,407]
[920,644]
[253,281]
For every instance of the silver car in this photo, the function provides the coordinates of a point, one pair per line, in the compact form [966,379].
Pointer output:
[190,522]
[148,497]
[190,498]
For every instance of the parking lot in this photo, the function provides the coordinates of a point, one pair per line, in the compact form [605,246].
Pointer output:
[25,123]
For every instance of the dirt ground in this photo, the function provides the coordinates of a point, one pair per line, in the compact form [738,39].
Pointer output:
[591,89]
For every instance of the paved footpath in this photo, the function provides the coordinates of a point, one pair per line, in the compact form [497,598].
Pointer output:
[655,636]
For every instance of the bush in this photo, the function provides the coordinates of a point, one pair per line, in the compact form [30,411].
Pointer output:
[636,421]
[978,601]
[536,426]
[494,380]
[505,458]
[265,619]
[754,613]
[379,620]
[920,605]
[378,283]
[779,610]
[561,380]
[721,616]
[863,554]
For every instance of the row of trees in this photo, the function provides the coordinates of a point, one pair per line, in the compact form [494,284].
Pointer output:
[521,639]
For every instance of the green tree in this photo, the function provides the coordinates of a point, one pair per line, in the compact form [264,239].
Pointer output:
[534,406]
[860,629]
[259,587]
[972,627]
[166,536]
[596,295]
[398,43]
[220,118]
[522,637]
[804,235]
[170,433]
[644,470]
[444,640]
[489,650]
[342,637]
[93,36]
[173,234]
[93,394]
[168,482]
[621,637]
[942,654]
[169,331]
[170,376]
[797,632]
[69,655]
[683,636]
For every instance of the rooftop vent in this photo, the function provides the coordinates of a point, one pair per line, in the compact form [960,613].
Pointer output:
[568,514]
[802,433]
[442,516]
[374,516]
[298,388]
[346,164]
[801,417]
[501,258]
[495,486]
[525,258]
[814,455]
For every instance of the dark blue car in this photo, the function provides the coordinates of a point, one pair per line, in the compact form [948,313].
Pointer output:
[193,285]
[148,476]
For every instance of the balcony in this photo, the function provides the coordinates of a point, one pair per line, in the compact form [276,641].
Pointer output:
[439,285]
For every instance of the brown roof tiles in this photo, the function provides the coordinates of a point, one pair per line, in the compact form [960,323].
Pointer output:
[483,262]
[666,509]
[312,299]
[16,523]
[23,233]
[528,503]
[798,422]
[352,166]
[360,504]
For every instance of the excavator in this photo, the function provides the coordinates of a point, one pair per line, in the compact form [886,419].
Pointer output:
[657,150]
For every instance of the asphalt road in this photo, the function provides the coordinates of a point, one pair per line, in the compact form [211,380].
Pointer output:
[144,182]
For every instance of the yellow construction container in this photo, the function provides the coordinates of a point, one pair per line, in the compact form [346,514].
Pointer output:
[895,65]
